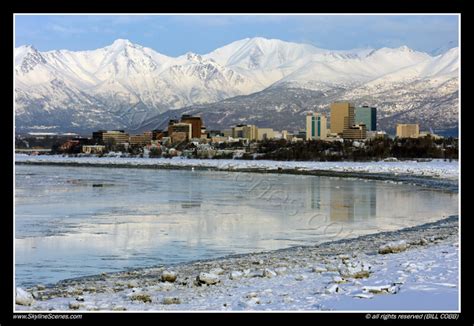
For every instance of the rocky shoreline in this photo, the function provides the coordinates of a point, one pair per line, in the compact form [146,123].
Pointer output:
[329,276]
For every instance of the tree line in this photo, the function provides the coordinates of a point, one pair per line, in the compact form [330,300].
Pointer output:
[375,149]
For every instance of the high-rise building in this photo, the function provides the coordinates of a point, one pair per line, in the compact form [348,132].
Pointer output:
[342,116]
[316,126]
[366,115]
[195,122]
[408,130]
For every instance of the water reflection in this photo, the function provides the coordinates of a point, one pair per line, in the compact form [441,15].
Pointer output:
[148,217]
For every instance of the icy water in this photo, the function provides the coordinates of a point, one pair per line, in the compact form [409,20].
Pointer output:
[78,221]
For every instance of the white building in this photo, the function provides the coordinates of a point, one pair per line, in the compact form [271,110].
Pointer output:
[265,133]
[316,126]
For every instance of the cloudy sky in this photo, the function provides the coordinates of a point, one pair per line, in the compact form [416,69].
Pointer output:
[177,34]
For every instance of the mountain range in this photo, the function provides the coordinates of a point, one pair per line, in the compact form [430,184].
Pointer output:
[268,82]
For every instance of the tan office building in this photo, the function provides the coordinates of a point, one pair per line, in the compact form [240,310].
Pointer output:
[408,130]
[139,140]
[245,131]
[265,133]
[184,128]
[117,136]
[342,116]
[355,132]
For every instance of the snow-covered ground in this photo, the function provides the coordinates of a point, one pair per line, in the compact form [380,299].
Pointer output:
[420,275]
[435,168]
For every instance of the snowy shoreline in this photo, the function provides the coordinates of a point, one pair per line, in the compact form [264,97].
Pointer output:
[437,169]
[352,274]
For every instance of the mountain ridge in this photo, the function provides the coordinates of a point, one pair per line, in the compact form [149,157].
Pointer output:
[119,85]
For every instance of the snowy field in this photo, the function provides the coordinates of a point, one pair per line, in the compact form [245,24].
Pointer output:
[435,168]
[414,269]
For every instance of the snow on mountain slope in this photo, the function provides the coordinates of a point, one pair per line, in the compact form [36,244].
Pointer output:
[436,70]
[121,76]
[117,82]
[355,69]
[260,53]
[269,60]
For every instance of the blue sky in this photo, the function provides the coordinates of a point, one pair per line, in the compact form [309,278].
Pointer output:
[178,34]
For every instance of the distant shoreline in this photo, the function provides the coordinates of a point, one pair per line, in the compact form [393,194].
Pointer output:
[440,183]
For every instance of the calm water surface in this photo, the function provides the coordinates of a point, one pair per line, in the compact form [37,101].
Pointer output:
[77,221]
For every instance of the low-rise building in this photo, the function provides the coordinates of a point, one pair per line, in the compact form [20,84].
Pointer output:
[219,139]
[245,131]
[179,137]
[183,132]
[376,134]
[355,132]
[93,149]
[227,132]
[405,130]
[69,145]
[148,135]
[117,136]
[158,134]
[215,133]
[203,132]
[139,140]
[430,134]
[265,133]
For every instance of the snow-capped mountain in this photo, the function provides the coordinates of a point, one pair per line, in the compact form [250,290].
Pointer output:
[124,84]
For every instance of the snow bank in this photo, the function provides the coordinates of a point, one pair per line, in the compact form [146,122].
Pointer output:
[23,297]
[393,247]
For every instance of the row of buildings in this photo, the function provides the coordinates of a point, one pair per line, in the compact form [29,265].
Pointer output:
[349,122]
[187,128]
[346,122]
